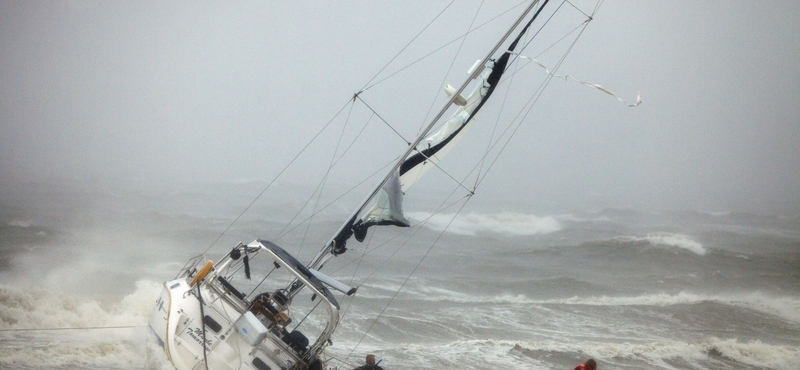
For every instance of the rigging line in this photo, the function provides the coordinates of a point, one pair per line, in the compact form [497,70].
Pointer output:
[587,84]
[353,142]
[496,124]
[436,164]
[516,55]
[307,314]
[536,97]
[445,45]
[543,51]
[277,176]
[414,227]
[519,54]
[325,179]
[449,69]
[407,45]
[597,7]
[344,362]
[579,9]
[334,243]
[239,315]
[411,274]
[262,281]
[507,91]
[538,91]
[76,328]
[239,265]
[297,214]
[340,197]
[417,229]
[353,277]
[203,323]
[281,234]
[384,121]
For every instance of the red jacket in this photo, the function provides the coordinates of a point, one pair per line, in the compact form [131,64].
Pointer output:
[581,367]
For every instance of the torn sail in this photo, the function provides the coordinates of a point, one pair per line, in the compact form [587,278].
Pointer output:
[388,210]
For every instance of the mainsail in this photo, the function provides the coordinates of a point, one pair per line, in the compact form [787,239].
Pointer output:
[428,150]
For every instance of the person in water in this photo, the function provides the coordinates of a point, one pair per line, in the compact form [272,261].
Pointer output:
[590,364]
[371,365]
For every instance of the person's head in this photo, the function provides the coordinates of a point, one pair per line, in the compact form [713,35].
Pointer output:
[371,360]
[591,364]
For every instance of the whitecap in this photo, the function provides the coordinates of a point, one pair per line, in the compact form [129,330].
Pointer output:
[671,240]
[787,308]
[511,223]
[22,223]
[753,353]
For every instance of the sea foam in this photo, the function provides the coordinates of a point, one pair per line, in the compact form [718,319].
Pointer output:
[753,353]
[511,223]
[22,223]
[670,240]
[787,308]
[64,331]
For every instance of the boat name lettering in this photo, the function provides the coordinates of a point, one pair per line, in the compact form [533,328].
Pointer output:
[197,335]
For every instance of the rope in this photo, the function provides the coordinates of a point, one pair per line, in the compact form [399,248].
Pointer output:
[415,228]
[444,46]
[449,69]
[344,362]
[531,102]
[76,328]
[588,84]
[297,214]
[337,198]
[384,121]
[534,99]
[325,179]
[412,272]
[276,177]
[407,45]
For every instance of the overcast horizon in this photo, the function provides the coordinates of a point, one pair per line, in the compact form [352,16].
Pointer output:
[176,93]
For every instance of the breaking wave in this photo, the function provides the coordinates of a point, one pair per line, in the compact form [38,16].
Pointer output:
[753,353]
[64,331]
[670,240]
[22,223]
[502,223]
[48,309]
[787,308]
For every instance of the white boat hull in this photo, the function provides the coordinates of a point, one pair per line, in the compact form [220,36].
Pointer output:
[201,321]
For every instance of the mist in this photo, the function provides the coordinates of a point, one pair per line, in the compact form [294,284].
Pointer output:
[186,95]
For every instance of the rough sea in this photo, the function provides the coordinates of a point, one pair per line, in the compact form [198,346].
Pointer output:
[81,265]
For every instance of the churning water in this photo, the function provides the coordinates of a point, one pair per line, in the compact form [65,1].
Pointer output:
[631,288]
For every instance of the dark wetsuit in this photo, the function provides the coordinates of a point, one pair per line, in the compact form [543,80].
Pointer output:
[367,367]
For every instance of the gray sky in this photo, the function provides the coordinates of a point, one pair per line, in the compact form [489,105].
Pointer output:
[199,91]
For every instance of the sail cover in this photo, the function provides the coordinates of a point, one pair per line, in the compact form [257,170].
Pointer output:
[388,208]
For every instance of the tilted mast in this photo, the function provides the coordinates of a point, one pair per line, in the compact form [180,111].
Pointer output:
[337,244]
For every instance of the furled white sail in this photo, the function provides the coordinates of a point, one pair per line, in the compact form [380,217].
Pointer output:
[445,138]
[388,208]
[428,148]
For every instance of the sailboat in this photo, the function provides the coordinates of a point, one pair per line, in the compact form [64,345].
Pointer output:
[203,320]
